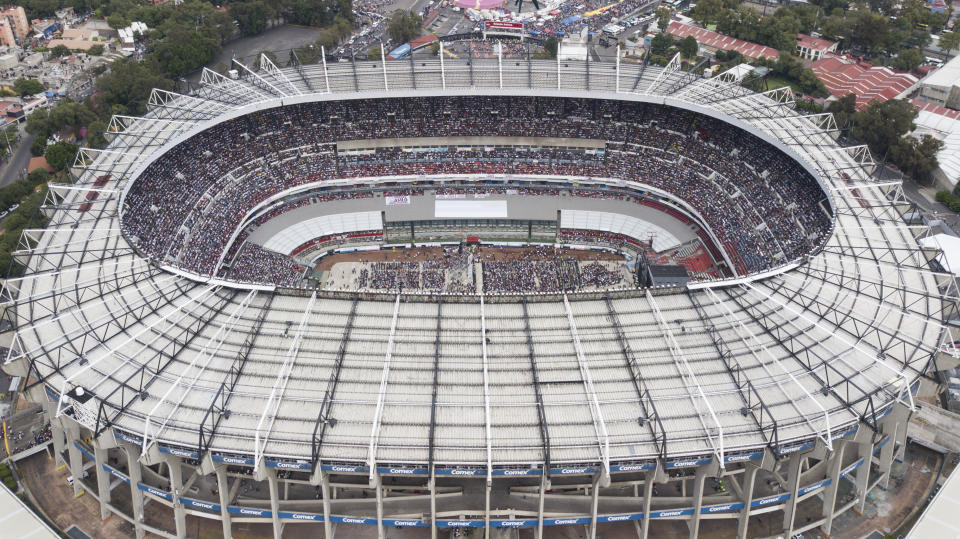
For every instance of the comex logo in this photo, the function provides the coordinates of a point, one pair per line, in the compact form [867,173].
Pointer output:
[463,472]
[343,468]
[349,520]
[573,470]
[618,518]
[299,516]
[287,465]
[719,508]
[405,523]
[514,472]
[253,512]
[664,514]
[201,505]
[401,471]
[565,521]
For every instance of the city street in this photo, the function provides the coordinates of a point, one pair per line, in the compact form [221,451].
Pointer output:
[11,170]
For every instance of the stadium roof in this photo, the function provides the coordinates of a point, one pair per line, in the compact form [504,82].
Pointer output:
[939,519]
[720,41]
[624,376]
[947,75]
[844,75]
[20,521]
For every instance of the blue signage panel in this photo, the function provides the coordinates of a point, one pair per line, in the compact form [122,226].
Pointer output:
[282,465]
[116,473]
[300,516]
[770,500]
[565,521]
[620,518]
[461,523]
[155,492]
[249,512]
[353,520]
[573,470]
[404,523]
[851,468]
[815,486]
[743,457]
[344,468]
[632,467]
[508,472]
[197,504]
[84,451]
[240,461]
[721,508]
[126,437]
[671,513]
[176,451]
[402,471]
[461,472]
[687,463]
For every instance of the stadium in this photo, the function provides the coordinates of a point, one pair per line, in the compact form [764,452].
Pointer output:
[491,297]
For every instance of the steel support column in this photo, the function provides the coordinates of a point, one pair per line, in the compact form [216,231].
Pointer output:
[223,485]
[698,480]
[176,488]
[793,486]
[103,481]
[749,478]
[136,477]
[834,465]
[275,503]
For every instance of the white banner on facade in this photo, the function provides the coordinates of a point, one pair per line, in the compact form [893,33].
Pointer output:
[397,200]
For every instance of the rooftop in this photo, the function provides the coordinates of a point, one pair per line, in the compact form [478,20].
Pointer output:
[815,43]
[948,75]
[720,41]
[844,74]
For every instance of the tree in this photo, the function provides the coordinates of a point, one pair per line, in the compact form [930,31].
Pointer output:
[663,18]
[843,110]
[883,123]
[374,53]
[404,26]
[60,154]
[251,17]
[183,50]
[38,146]
[917,157]
[551,46]
[869,30]
[660,44]
[949,41]
[95,134]
[128,84]
[59,51]
[908,60]
[688,47]
[27,87]
[95,50]
[328,39]
[117,21]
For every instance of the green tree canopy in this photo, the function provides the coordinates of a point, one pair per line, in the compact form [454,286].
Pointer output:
[59,51]
[95,50]
[660,44]
[917,158]
[128,84]
[404,26]
[688,47]
[908,60]
[883,123]
[27,87]
[61,154]
[251,17]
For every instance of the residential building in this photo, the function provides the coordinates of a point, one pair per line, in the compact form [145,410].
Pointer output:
[710,42]
[813,48]
[7,37]
[843,75]
[942,87]
[17,18]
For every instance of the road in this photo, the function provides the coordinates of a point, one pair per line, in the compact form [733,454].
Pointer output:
[11,170]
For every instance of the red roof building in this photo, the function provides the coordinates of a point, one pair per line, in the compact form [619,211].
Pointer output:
[713,41]
[844,75]
[813,48]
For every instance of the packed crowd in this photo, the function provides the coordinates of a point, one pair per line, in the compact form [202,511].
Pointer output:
[475,48]
[187,206]
[254,264]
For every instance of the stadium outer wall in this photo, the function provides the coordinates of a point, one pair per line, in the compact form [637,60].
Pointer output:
[859,461]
